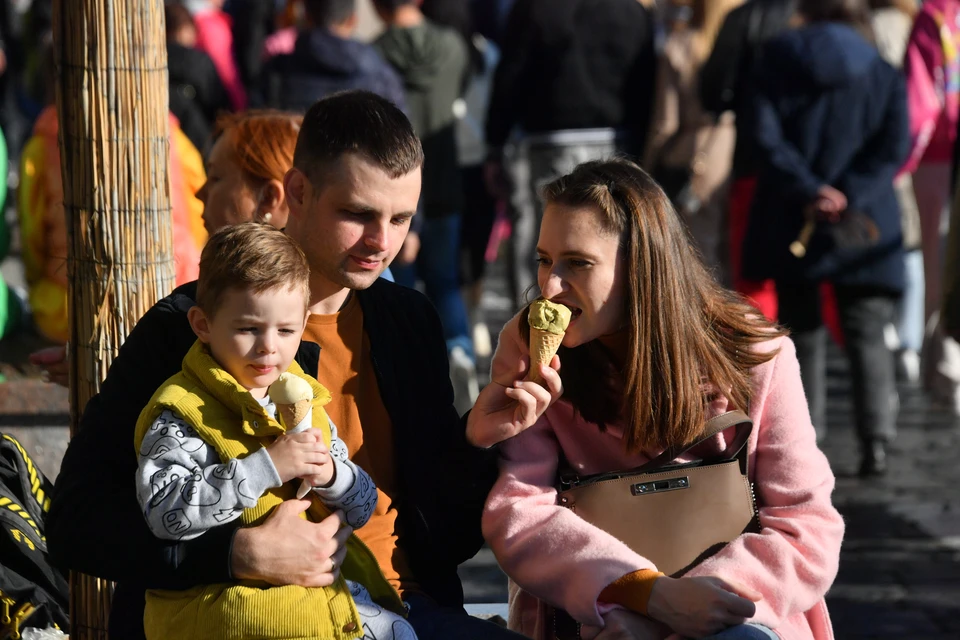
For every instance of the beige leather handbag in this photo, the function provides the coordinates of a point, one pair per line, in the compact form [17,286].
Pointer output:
[674,514]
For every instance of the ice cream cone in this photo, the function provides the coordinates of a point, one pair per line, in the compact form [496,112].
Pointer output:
[291,415]
[543,346]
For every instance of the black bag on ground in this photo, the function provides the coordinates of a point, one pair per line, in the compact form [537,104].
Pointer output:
[32,592]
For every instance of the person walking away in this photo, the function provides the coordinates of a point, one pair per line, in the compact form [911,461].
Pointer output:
[830,123]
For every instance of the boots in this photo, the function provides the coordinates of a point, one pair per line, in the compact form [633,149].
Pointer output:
[874,461]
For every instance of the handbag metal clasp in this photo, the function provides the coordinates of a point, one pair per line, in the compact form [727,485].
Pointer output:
[659,486]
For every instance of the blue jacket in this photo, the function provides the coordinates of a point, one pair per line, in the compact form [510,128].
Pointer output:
[322,63]
[826,110]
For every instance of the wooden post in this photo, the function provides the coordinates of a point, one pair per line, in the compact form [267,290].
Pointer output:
[112,102]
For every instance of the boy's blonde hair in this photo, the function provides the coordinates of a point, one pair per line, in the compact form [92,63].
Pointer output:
[251,257]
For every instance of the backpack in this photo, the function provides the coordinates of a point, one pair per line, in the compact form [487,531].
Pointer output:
[32,592]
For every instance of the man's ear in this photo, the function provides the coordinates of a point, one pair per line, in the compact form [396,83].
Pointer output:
[295,188]
[199,323]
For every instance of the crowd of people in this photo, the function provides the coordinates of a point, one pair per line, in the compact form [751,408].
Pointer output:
[710,187]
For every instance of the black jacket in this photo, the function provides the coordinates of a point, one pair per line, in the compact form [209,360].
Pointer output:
[197,94]
[574,64]
[727,76]
[827,110]
[322,63]
[95,524]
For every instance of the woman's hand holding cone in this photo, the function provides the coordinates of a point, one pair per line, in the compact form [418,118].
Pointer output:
[509,406]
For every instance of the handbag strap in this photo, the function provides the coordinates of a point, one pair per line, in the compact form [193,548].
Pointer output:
[714,426]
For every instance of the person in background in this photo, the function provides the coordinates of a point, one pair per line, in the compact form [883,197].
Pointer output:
[196,93]
[325,60]
[253,22]
[43,225]
[577,78]
[726,83]
[932,67]
[215,38]
[251,153]
[690,153]
[433,63]
[829,117]
[892,22]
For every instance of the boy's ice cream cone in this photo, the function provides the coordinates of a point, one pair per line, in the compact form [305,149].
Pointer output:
[293,398]
[548,324]
[292,415]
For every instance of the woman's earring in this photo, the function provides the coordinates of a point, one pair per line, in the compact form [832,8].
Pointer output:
[266,217]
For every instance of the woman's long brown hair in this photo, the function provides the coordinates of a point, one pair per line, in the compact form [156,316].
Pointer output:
[683,328]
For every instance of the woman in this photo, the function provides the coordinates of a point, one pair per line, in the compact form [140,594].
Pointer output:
[830,124]
[654,349]
[691,151]
[245,169]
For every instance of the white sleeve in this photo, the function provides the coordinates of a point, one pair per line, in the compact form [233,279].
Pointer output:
[184,489]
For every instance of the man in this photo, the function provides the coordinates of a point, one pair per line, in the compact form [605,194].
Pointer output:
[352,192]
[432,62]
[325,59]
[577,78]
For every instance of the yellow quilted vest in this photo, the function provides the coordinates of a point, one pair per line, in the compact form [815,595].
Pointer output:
[228,418]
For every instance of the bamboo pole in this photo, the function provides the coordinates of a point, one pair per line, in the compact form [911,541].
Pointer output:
[112,103]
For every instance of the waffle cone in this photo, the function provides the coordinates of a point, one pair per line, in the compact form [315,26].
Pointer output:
[543,346]
[293,414]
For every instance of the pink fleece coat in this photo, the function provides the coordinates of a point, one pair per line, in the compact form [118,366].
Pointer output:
[553,555]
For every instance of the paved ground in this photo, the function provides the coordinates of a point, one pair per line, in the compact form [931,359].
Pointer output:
[900,563]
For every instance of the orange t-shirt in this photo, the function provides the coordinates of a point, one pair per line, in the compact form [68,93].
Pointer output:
[363,424]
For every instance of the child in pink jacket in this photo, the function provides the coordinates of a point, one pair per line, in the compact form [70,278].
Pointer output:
[648,324]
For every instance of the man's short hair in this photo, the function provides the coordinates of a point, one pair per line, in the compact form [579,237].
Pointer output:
[251,257]
[358,122]
[329,13]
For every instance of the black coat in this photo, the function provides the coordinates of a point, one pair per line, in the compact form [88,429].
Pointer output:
[574,64]
[95,524]
[827,110]
[197,94]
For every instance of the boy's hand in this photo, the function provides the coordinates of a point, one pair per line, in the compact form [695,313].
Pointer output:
[298,455]
[325,477]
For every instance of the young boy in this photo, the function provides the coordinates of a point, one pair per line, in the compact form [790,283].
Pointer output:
[211,449]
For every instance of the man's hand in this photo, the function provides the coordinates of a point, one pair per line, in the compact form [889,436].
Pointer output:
[698,607]
[620,624]
[301,455]
[288,550]
[506,408]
